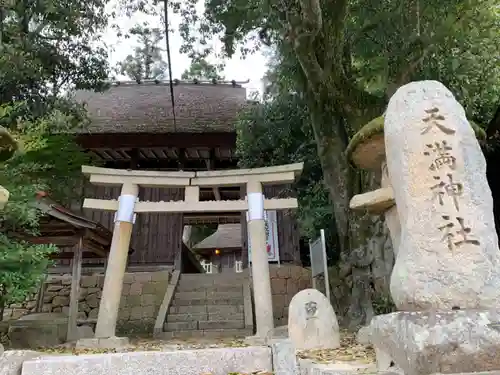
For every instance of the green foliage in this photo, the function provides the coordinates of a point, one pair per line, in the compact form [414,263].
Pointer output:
[47,49]
[47,161]
[22,268]
[202,70]
[146,62]
[278,132]
[50,46]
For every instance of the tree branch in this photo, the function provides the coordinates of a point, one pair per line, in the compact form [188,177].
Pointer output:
[302,31]
[418,49]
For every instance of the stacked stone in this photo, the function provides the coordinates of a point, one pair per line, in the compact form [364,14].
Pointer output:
[141,297]
[286,281]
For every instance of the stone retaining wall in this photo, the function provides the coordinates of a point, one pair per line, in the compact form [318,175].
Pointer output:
[142,296]
[286,281]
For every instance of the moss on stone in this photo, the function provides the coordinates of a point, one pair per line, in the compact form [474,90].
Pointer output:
[8,144]
[480,133]
[376,126]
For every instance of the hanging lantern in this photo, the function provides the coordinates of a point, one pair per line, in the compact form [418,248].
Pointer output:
[217,252]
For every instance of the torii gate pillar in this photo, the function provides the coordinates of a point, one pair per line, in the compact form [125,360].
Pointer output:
[117,263]
[261,280]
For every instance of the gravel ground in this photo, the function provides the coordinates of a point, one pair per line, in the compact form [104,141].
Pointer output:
[349,350]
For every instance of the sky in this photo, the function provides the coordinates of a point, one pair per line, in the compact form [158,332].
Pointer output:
[251,68]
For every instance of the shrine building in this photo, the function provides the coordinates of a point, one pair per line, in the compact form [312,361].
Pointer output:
[133,128]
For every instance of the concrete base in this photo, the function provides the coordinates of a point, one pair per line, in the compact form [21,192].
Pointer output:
[103,343]
[284,357]
[181,362]
[308,367]
[11,361]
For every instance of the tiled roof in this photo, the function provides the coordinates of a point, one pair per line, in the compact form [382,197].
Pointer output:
[227,236]
[147,108]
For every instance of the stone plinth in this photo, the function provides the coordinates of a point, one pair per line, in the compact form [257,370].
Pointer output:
[446,342]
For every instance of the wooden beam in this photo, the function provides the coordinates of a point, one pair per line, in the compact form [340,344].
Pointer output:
[182,159]
[76,275]
[242,179]
[89,170]
[69,255]
[63,241]
[109,180]
[210,166]
[144,140]
[134,158]
[171,164]
[181,206]
[40,295]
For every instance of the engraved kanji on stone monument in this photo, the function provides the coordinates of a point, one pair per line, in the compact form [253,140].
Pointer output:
[433,121]
[447,188]
[448,252]
[456,233]
[441,153]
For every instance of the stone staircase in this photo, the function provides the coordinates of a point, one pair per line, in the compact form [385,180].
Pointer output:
[209,305]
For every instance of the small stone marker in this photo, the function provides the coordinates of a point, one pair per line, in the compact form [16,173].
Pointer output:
[448,255]
[312,323]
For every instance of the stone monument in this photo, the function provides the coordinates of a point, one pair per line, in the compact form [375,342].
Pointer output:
[446,277]
[312,323]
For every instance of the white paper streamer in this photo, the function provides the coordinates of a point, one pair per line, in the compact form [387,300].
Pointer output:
[126,205]
[255,206]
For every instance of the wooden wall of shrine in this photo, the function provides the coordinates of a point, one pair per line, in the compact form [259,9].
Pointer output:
[156,237]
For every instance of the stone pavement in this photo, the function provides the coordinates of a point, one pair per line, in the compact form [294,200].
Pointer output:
[221,361]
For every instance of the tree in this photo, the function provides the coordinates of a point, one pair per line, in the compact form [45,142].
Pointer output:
[345,59]
[202,70]
[146,62]
[48,49]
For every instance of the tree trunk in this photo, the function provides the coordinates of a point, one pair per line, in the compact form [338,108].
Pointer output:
[362,237]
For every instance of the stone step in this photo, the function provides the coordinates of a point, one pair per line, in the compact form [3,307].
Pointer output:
[203,325]
[208,301]
[225,309]
[227,316]
[172,318]
[213,276]
[190,287]
[209,308]
[207,333]
[221,324]
[180,326]
[209,294]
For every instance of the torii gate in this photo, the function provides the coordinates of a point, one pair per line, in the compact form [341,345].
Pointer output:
[128,205]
